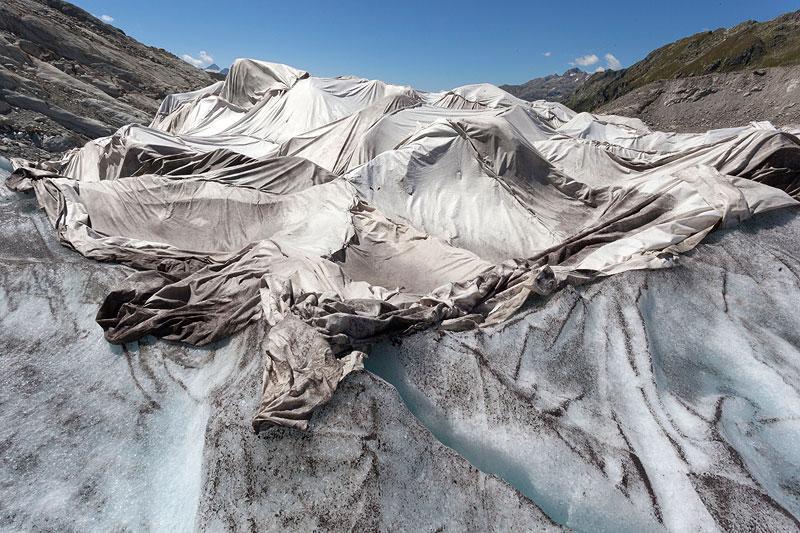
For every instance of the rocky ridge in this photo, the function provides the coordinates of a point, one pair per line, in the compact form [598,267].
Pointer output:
[749,45]
[554,87]
[67,77]
[721,78]
[715,100]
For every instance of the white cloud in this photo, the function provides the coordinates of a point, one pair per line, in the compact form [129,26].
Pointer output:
[547,54]
[108,19]
[613,62]
[203,59]
[585,61]
[191,60]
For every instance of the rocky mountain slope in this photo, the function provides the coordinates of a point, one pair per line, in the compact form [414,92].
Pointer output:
[748,68]
[66,77]
[749,45]
[725,100]
[554,87]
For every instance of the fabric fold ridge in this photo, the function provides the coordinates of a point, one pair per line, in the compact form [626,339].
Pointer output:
[336,212]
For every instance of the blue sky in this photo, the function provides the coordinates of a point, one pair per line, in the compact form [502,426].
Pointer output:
[428,44]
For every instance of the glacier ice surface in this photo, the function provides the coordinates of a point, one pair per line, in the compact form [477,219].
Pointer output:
[156,436]
[649,399]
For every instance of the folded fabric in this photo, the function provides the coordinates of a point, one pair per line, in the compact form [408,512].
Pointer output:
[338,212]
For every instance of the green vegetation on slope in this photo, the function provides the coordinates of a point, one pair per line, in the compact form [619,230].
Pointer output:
[749,45]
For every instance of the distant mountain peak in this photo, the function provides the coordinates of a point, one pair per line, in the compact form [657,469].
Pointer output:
[553,87]
[213,68]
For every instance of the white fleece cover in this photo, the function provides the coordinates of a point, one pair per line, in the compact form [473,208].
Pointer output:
[340,211]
